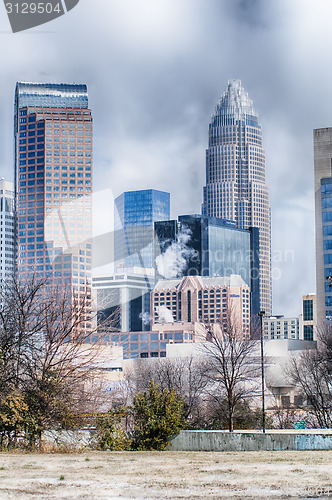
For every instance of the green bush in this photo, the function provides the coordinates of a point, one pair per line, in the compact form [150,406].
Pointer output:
[158,415]
[112,430]
[17,422]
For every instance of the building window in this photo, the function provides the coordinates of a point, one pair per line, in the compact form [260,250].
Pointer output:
[189,305]
[308,310]
[308,332]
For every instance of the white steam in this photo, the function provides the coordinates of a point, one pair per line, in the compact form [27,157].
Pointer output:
[165,315]
[146,318]
[173,262]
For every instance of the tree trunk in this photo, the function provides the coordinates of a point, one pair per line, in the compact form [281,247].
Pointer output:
[230,415]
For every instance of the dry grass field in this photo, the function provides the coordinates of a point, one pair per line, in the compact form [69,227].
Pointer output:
[159,475]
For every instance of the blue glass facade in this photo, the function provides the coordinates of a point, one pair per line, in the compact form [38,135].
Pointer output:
[326,197]
[214,247]
[51,95]
[135,215]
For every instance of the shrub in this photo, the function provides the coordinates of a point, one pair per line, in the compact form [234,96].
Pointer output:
[158,415]
[112,430]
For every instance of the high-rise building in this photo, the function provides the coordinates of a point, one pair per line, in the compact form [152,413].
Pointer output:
[134,216]
[323,222]
[235,175]
[197,245]
[53,183]
[124,300]
[7,229]
[206,300]
[182,309]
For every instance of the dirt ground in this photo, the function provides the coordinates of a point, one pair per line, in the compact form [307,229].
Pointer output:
[159,475]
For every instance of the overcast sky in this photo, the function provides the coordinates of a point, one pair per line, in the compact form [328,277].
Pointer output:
[156,69]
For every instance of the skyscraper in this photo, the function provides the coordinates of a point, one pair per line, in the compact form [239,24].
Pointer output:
[125,298]
[201,299]
[235,175]
[53,183]
[323,222]
[7,226]
[134,217]
[197,245]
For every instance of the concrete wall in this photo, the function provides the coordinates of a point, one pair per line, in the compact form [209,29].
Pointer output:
[68,440]
[251,441]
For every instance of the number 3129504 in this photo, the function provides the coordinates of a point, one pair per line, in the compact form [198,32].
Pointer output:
[33,8]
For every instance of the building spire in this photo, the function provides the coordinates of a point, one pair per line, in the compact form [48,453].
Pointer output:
[235,102]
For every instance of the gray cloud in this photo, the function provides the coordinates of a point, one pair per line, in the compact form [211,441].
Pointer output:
[155,71]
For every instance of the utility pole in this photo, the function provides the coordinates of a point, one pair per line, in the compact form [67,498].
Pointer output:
[261,314]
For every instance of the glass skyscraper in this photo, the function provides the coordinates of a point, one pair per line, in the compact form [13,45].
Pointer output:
[197,245]
[235,176]
[53,183]
[326,207]
[134,217]
[323,222]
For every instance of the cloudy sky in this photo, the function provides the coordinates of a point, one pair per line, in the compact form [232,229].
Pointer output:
[156,70]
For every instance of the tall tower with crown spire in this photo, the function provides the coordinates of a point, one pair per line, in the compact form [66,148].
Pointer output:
[235,176]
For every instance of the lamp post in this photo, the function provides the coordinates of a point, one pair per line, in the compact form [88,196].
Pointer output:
[261,314]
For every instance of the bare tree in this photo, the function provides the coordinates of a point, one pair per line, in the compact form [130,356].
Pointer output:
[233,367]
[20,325]
[312,375]
[325,344]
[186,376]
[284,414]
[46,350]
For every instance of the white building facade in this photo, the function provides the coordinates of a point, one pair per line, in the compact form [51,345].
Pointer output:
[7,229]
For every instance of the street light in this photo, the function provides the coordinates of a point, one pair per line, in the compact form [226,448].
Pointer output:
[261,314]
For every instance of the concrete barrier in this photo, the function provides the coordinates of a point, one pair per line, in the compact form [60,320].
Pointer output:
[280,440]
[68,440]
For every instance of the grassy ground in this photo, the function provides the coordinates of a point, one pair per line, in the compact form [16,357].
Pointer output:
[159,475]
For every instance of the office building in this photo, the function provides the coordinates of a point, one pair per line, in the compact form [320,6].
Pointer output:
[309,317]
[236,188]
[152,343]
[183,312]
[323,222]
[302,327]
[7,229]
[53,183]
[207,300]
[134,216]
[197,245]
[280,328]
[124,300]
